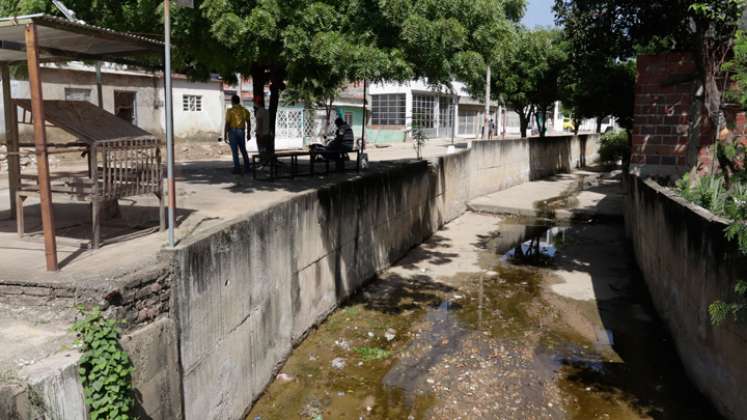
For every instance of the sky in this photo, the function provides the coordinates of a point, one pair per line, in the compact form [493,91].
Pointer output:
[539,13]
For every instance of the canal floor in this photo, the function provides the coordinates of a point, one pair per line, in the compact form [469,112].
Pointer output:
[493,318]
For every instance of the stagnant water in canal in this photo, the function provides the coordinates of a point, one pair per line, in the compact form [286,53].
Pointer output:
[490,341]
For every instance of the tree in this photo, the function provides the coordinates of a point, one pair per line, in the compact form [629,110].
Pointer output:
[599,90]
[550,50]
[526,79]
[602,30]
[315,45]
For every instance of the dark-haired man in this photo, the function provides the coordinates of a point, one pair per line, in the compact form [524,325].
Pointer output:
[238,124]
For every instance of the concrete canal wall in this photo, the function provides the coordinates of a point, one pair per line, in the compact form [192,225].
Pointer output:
[209,326]
[246,291]
[688,264]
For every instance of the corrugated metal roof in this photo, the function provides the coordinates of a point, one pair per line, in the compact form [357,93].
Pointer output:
[60,39]
[86,121]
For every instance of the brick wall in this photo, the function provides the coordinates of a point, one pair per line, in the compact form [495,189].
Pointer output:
[663,100]
[136,300]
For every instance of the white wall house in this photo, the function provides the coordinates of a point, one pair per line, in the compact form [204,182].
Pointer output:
[434,110]
[397,108]
[134,95]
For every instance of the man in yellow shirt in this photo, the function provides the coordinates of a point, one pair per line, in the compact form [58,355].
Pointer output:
[238,126]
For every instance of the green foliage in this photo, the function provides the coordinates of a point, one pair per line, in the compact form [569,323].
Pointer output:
[614,147]
[597,89]
[105,369]
[315,46]
[372,353]
[604,32]
[735,209]
[737,67]
[710,192]
[527,78]
[707,191]
[721,311]
[721,12]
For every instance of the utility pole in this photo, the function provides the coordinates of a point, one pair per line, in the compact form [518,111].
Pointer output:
[169,119]
[485,122]
[170,112]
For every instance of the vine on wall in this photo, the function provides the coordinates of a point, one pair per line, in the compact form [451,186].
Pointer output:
[105,368]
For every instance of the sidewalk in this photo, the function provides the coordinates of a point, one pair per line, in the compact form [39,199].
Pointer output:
[207,194]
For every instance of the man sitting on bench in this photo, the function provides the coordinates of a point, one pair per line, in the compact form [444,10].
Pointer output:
[343,143]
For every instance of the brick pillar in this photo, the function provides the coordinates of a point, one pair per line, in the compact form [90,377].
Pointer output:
[663,99]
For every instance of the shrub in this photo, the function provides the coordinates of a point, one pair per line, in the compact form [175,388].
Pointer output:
[707,191]
[710,192]
[614,147]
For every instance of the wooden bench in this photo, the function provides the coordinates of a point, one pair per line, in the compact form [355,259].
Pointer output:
[118,168]
[274,163]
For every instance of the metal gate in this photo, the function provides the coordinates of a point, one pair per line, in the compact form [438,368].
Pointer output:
[289,129]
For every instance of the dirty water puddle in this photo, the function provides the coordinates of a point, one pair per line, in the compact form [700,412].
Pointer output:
[491,344]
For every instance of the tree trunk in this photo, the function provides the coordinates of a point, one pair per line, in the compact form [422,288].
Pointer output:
[277,85]
[328,109]
[258,85]
[259,79]
[576,125]
[710,56]
[523,123]
[626,156]
[541,118]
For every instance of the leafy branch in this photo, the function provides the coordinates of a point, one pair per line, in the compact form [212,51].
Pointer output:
[105,368]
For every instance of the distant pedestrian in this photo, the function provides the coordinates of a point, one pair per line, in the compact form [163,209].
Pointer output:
[344,140]
[238,124]
[264,139]
[343,143]
[492,130]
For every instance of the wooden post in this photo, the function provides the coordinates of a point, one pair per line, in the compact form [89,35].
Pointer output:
[11,139]
[363,126]
[99,87]
[40,141]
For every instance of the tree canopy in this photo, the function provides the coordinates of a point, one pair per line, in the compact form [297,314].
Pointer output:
[526,78]
[605,32]
[315,45]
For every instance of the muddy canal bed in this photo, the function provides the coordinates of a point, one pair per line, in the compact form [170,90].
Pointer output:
[493,318]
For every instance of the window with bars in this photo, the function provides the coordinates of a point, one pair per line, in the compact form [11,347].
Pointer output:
[192,103]
[388,109]
[348,118]
[422,111]
[468,122]
[77,94]
[445,112]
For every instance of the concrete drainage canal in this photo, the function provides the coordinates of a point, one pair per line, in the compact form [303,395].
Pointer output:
[493,318]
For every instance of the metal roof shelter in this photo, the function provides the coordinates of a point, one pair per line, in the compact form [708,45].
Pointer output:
[42,38]
[61,40]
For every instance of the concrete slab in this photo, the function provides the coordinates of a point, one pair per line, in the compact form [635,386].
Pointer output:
[565,197]
[29,335]
[55,384]
[523,200]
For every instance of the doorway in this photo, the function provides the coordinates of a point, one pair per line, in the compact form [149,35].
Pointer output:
[124,106]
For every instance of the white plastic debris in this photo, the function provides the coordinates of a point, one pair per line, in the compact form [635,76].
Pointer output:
[390,334]
[338,363]
[343,344]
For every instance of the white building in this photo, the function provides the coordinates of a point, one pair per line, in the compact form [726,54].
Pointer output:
[397,108]
[134,95]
